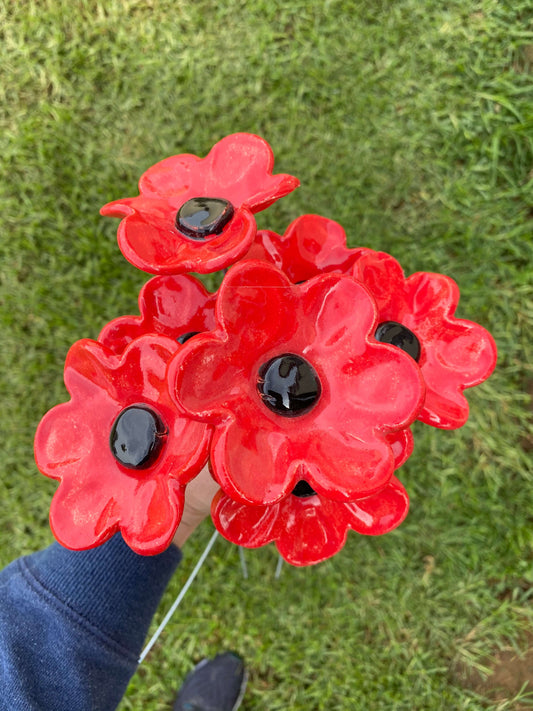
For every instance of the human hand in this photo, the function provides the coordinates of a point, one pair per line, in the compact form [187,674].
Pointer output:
[198,496]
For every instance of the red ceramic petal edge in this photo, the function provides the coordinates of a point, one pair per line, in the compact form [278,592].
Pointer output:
[166,251]
[242,163]
[309,530]
[118,208]
[380,513]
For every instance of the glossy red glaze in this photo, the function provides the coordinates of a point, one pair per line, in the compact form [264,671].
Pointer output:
[97,495]
[402,444]
[291,377]
[369,389]
[311,245]
[455,353]
[309,530]
[170,306]
[238,168]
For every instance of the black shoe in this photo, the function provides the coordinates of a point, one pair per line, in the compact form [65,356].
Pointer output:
[214,685]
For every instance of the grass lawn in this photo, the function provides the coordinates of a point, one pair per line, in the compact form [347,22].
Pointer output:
[411,124]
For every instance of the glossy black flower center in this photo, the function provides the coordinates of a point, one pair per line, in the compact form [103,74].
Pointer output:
[203,217]
[185,336]
[303,490]
[137,437]
[400,336]
[288,385]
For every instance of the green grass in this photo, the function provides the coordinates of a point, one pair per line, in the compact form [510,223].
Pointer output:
[411,124]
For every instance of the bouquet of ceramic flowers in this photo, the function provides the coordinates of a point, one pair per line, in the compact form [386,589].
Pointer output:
[297,381]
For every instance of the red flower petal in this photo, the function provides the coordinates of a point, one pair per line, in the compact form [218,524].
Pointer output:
[253,464]
[311,245]
[172,306]
[311,529]
[344,464]
[257,302]
[83,512]
[457,354]
[250,526]
[380,513]
[305,530]
[402,444]
[237,168]
[149,524]
[383,277]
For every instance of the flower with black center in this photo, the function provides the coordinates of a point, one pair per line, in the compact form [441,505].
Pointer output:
[197,214]
[307,527]
[174,306]
[296,387]
[121,452]
[417,315]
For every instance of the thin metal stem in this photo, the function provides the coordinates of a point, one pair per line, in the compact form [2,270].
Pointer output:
[244,567]
[278,567]
[180,597]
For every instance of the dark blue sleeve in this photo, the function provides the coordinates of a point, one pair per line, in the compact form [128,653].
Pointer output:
[72,624]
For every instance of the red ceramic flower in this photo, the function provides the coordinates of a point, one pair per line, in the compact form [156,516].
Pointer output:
[196,214]
[297,387]
[173,306]
[310,246]
[122,453]
[418,313]
[309,529]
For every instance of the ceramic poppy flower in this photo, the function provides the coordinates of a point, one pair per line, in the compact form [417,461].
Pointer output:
[307,527]
[417,314]
[122,453]
[297,387]
[311,245]
[196,214]
[173,306]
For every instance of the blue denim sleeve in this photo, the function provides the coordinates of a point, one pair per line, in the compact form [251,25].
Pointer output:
[72,624]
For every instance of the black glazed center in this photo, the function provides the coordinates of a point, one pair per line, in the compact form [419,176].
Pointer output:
[185,336]
[400,336]
[288,385]
[203,217]
[137,437]
[303,490]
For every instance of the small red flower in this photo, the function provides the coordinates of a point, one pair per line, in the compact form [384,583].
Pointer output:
[311,245]
[196,214]
[453,354]
[297,387]
[173,306]
[122,453]
[309,529]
